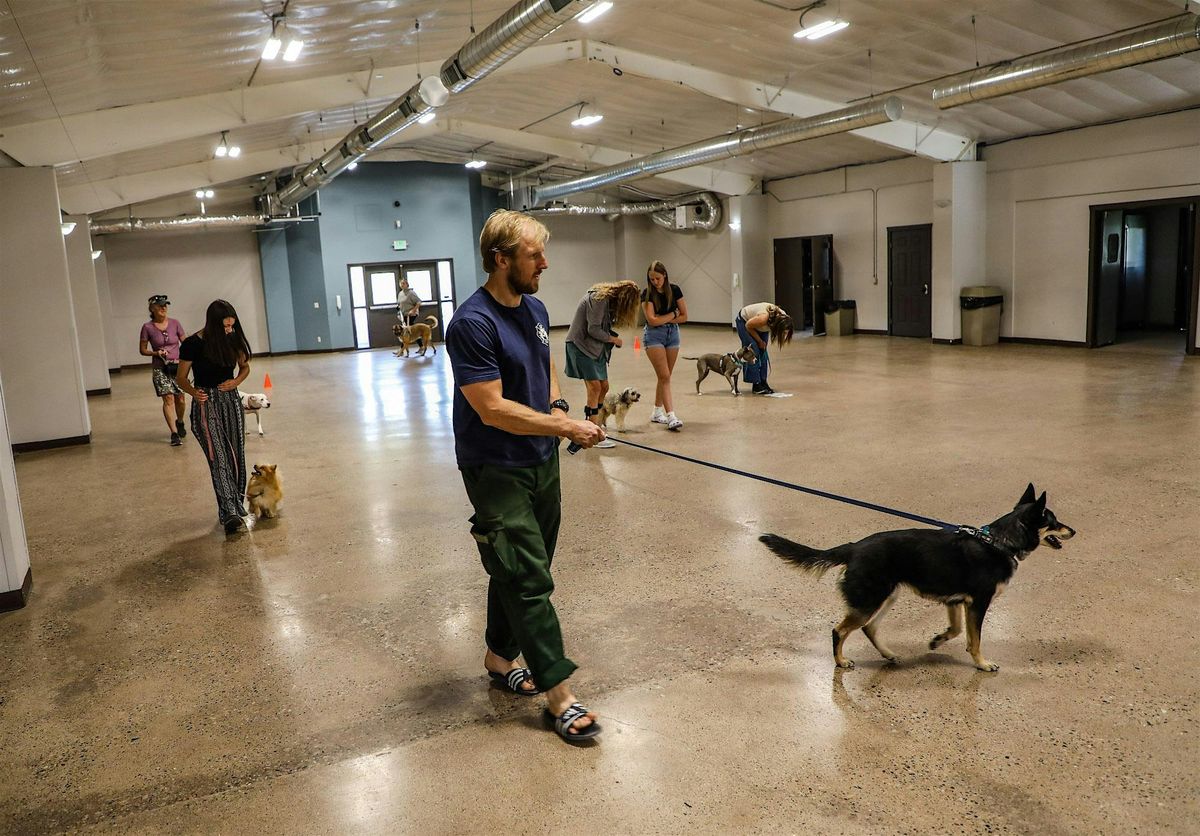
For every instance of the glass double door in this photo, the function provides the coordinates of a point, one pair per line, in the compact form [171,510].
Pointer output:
[375,293]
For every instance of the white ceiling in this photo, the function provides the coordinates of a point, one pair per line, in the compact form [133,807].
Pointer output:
[127,98]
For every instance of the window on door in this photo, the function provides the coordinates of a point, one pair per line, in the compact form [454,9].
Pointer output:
[375,291]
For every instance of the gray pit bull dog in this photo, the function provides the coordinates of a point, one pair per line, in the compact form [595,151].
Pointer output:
[729,365]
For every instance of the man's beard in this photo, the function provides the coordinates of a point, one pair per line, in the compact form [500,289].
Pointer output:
[520,287]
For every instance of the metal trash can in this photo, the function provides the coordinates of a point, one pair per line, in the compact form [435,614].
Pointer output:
[839,318]
[981,307]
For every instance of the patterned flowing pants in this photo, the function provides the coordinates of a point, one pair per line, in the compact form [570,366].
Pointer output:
[219,427]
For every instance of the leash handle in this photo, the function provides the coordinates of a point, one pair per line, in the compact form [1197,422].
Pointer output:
[883,509]
[574,447]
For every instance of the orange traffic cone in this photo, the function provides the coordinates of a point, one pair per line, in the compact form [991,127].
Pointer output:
[637,344]
[267,382]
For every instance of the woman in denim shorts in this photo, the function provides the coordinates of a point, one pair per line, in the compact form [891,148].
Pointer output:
[665,310]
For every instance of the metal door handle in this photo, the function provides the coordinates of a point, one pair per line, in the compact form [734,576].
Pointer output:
[927,289]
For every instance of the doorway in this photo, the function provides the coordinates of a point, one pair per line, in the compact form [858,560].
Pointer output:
[910,274]
[804,279]
[1142,282]
[375,289]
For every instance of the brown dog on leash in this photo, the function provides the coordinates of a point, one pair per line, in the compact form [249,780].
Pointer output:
[409,334]
[728,365]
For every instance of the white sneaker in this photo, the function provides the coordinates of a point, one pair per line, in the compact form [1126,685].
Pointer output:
[658,418]
[605,444]
[673,423]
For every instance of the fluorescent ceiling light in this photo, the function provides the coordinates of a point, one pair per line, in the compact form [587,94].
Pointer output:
[594,11]
[426,118]
[293,50]
[820,30]
[67,227]
[271,49]
[221,150]
[477,164]
[96,254]
[352,166]
[235,150]
[203,193]
[587,115]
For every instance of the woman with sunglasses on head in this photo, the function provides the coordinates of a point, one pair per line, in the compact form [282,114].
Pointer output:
[665,310]
[160,339]
[210,356]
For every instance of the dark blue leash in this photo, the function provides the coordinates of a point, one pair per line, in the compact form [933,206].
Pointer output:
[824,494]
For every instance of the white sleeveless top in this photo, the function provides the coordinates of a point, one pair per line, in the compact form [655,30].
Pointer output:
[750,311]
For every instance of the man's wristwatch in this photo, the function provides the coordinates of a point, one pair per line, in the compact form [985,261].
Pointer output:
[560,404]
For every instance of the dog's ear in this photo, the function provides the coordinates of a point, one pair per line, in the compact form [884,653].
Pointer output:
[1026,497]
[1041,503]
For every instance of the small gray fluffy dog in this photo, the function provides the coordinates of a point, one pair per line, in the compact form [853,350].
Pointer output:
[617,404]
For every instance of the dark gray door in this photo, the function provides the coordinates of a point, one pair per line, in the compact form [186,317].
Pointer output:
[822,279]
[910,274]
[1109,276]
[789,278]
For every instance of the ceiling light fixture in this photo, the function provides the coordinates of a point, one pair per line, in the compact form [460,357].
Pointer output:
[352,166]
[476,164]
[274,42]
[819,30]
[67,227]
[427,117]
[588,115]
[96,254]
[203,193]
[224,149]
[594,11]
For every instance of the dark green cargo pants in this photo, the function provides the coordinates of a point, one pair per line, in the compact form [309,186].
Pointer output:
[515,525]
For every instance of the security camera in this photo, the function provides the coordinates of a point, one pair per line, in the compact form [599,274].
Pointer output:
[396,203]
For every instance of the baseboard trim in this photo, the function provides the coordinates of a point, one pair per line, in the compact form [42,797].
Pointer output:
[17,598]
[943,341]
[1037,341]
[51,444]
[106,391]
[872,332]
[117,370]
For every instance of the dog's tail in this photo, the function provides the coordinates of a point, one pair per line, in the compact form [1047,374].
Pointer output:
[685,357]
[432,320]
[810,559]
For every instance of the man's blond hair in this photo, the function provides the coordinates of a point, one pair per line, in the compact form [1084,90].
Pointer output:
[503,232]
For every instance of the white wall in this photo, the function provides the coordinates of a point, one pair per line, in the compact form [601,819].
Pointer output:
[698,261]
[1039,194]
[193,269]
[89,326]
[856,206]
[39,352]
[106,311]
[14,550]
[582,251]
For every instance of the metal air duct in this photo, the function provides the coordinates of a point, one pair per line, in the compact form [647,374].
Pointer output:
[518,28]
[660,211]
[184,222]
[730,145]
[1164,39]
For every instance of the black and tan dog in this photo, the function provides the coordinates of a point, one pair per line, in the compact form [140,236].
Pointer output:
[409,334]
[964,569]
[729,365]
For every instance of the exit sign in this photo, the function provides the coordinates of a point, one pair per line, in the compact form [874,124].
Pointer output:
[400,245]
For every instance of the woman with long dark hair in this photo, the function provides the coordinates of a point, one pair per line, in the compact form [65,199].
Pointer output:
[217,423]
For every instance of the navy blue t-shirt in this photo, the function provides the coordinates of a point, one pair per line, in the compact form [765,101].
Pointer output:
[488,341]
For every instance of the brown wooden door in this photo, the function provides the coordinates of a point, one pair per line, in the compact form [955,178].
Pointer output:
[910,274]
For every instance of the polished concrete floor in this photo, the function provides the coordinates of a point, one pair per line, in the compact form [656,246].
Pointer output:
[322,673]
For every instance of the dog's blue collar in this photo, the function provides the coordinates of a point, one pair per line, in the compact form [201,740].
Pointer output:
[984,534]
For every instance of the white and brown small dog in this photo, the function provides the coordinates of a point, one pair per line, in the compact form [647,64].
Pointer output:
[265,491]
[253,404]
[617,404]
[409,334]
